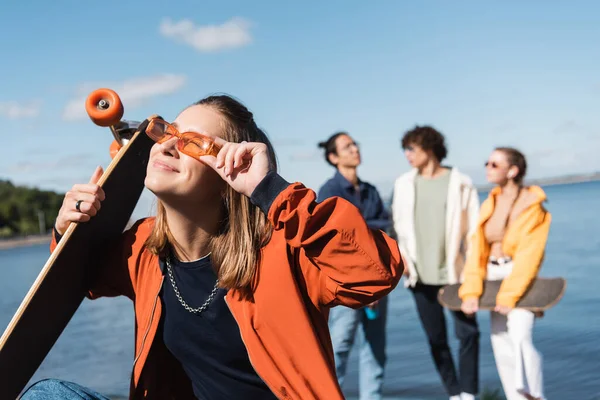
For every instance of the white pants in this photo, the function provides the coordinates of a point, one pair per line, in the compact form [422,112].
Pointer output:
[519,363]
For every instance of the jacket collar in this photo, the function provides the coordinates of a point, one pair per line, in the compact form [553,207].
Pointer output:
[533,195]
[345,183]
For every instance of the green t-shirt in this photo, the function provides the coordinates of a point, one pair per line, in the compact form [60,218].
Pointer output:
[430,228]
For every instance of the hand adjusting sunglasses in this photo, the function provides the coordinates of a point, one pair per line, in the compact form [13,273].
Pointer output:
[192,144]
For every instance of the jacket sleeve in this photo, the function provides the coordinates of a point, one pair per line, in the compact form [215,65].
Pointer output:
[527,259]
[395,209]
[472,213]
[472,222]
[392,227]
[357,265]
[113,277]
[474,272]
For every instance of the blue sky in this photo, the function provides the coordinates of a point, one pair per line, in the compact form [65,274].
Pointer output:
[514,73]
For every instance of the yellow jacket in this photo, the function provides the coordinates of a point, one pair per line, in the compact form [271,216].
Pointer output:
[524,241]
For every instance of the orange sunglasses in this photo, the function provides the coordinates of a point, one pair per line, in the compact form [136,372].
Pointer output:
[192,144]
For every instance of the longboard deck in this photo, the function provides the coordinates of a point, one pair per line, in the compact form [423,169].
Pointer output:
[62,283]
[543,294]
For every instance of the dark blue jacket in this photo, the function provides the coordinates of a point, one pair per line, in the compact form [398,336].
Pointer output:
[366,199]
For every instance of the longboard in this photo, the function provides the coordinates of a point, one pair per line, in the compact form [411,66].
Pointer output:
[543,294]
[62,284]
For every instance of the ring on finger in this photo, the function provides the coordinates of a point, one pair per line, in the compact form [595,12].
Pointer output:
[78,205]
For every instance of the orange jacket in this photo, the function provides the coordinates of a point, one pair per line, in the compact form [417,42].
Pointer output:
[524,241]
[320,255]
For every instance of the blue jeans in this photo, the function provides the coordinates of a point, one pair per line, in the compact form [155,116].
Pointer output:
[344,325]
[53,389]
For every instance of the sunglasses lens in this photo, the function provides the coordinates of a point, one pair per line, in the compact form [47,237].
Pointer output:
[196,145]
[159,130]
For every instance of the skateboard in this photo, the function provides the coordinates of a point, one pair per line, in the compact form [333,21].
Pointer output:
[63,281]
[543,294]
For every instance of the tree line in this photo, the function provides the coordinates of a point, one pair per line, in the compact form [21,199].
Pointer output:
[26,211]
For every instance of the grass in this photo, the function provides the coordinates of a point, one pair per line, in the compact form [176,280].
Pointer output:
[489,394]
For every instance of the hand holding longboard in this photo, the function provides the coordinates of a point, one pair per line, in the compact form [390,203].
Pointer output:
[81,203]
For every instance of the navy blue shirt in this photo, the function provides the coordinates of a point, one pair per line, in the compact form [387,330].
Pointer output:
[208,345]
[366,199]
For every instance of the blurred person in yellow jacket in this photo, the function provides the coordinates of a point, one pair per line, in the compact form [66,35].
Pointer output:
[509,245]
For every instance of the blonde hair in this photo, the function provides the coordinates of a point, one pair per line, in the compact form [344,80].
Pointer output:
[245,229]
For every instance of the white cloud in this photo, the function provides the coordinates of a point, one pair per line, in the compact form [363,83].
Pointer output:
[14,110]
[133,92]
[208,38]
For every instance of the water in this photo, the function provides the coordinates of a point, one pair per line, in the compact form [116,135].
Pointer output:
[96,349]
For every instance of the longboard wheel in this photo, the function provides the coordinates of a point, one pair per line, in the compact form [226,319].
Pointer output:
[114,148]
[104,107]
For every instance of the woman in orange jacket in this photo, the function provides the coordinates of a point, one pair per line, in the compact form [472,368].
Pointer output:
[233,280]
[509,245]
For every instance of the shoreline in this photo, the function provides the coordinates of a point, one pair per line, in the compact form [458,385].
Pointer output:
[12,243]
[545,182]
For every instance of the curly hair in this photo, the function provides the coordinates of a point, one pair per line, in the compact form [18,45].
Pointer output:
[428,139]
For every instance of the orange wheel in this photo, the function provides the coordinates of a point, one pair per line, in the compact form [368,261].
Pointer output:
[114,148]
[104,107]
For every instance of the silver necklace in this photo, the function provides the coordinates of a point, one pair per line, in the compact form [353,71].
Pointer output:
[183,303]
